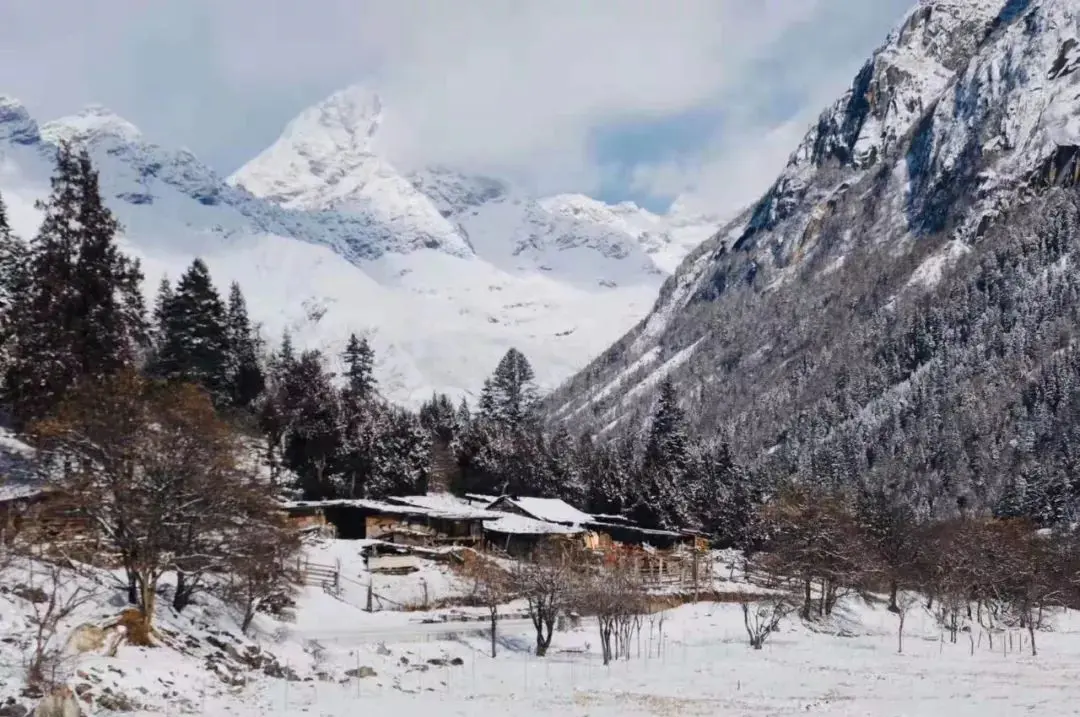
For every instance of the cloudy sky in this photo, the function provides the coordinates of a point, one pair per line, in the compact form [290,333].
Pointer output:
[622,99]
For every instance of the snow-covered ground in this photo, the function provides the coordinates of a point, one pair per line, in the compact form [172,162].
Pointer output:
[698,663]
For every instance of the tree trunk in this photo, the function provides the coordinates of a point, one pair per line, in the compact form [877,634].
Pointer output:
[1031,633]
[893,589]
[132,588]
[494,621]
[182,596]
[807,600]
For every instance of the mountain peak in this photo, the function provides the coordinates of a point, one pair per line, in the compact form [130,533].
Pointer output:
[93,122]
[16,125]
[346,121]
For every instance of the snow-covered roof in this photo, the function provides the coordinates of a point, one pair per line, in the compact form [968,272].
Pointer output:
[446,512]
[15,491]
[520,525]
[481,498]
[445,504]
[551,510]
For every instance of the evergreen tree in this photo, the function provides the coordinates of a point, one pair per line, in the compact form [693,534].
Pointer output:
[160,327]
[666,477]
[245,374]
[196,344]
[511,396]
[81,313]
[359,368]
[14,255]
[313,438]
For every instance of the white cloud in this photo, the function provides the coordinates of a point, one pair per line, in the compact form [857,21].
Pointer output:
[515,86]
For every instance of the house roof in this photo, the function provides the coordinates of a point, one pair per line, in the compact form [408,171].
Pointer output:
[520,525]
[550,510]
[446,505]
[397,508]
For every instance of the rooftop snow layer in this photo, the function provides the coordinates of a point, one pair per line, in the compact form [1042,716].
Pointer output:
[551,510]
[520,525]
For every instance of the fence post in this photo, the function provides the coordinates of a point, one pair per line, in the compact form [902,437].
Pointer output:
[369,597]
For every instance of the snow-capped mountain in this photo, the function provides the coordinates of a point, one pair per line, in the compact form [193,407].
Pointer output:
[443,271]
[328,158]
[966,114]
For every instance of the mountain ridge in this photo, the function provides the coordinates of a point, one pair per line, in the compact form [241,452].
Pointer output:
[323,273]
[960,119]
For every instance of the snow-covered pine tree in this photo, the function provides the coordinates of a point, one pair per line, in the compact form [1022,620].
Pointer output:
[359,368]
[313,437]
[245,374]
[81,314]
[14,254]
[196,343]
[664,487]
[402,456]
[513,391]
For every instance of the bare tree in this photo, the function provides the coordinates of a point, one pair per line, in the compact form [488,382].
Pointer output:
[152,472]
[815,539]
[762,616]
[902,603]
[54,596]
[493,587]
[546,583]
[263,570]
[615,595]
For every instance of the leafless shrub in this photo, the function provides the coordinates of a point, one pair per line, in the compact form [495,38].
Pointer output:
[53,597]
[762,616]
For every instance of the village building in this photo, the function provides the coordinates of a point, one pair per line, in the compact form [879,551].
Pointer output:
[404,521]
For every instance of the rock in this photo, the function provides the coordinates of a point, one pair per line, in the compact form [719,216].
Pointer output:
[116,702]
[361,672]
[437,662]
[382,649]
[404,660]
[30,594]
[11,708]
[60,702]
[82,689]
[457,662]
[86,638]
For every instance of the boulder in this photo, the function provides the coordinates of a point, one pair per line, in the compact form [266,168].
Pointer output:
[61,702]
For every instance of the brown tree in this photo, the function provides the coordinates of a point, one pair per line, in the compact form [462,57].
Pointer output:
[152,472]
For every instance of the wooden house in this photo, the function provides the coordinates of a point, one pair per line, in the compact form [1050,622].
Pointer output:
[396,522]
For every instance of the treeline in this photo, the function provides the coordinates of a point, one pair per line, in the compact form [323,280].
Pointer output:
[970,572]
[659,477]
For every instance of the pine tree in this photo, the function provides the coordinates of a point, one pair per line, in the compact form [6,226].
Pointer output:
[81,314]
[313,439]
[511,394]
[665,480]
[14,255]
[160,327]
[196,344]
[359,368]
[245,374]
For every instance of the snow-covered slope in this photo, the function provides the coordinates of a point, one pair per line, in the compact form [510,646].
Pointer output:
[358,247]
[967,111]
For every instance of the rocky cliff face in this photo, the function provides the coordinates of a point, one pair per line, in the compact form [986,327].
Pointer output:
[962,122]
